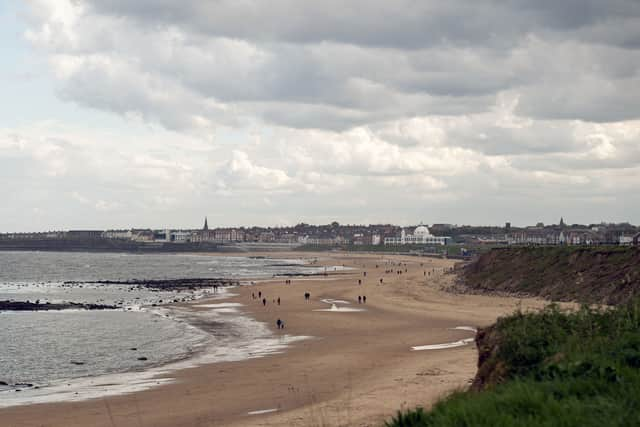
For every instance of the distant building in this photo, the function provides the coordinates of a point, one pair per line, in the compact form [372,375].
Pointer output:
[84,234]
[220,235]
[555,236]
[142,235]
[162,235]
[117,234]
[181,236]
[537,236]
[325,239]
[421,236]
[625,240]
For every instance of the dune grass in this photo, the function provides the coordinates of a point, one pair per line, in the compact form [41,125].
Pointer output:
[559,369]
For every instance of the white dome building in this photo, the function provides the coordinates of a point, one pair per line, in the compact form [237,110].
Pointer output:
[421,231]
[421,236]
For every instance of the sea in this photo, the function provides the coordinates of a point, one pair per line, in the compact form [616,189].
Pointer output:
[75,354]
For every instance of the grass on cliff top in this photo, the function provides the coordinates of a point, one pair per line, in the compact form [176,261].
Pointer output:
[560,369]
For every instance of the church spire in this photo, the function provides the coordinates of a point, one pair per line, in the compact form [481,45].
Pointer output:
[206,226]
[562,224]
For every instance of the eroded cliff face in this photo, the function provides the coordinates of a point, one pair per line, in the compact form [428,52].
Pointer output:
[601,275]
[491,370]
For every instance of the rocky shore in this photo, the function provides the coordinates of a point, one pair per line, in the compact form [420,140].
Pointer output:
[166,284]
[36,306]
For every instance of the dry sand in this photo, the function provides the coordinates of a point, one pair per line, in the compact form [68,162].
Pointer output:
[358,370]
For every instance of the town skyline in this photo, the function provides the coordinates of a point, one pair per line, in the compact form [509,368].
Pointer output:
[334,233]
[211,225]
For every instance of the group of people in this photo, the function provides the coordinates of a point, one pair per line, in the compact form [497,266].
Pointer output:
[264,299]
[362,299]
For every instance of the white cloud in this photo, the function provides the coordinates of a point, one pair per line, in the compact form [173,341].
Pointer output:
[241,172]
[292,111]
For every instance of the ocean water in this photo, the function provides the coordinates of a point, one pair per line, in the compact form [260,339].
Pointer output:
[78,266]
[42,347]
[49,349]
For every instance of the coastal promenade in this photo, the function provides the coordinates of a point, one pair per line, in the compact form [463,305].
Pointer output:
[356,369]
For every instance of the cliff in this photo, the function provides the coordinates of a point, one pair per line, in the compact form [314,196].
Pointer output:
[607,275]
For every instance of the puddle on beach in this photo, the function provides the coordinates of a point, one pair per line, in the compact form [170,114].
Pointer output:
[335,308]
[262,411]
[465,328]
[334,301]
[452,344]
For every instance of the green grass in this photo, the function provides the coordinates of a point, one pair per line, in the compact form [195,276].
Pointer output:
[559,369]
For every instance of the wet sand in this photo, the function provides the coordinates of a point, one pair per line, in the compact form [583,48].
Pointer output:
[357,370]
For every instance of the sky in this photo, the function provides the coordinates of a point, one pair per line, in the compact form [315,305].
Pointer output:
[119,113]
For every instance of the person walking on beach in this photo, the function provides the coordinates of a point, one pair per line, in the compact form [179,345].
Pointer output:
[264,302]
[359,281]
[359,299]
[279,323]
[278,300]
[364,299]
[260,294]
[253,295]
[307,295]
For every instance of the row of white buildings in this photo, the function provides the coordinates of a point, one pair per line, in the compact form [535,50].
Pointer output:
[567,237]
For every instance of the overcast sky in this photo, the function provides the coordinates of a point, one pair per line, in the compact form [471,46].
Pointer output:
[155,113]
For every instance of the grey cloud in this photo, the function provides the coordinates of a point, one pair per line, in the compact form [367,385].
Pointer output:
[470,106]
[222,59]
[588,99]
[406,23]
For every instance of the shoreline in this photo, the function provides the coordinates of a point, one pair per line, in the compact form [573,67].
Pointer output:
[357,359]
[78,389]
[82,388]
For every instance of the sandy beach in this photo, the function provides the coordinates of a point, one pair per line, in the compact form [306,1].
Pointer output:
[357,369]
